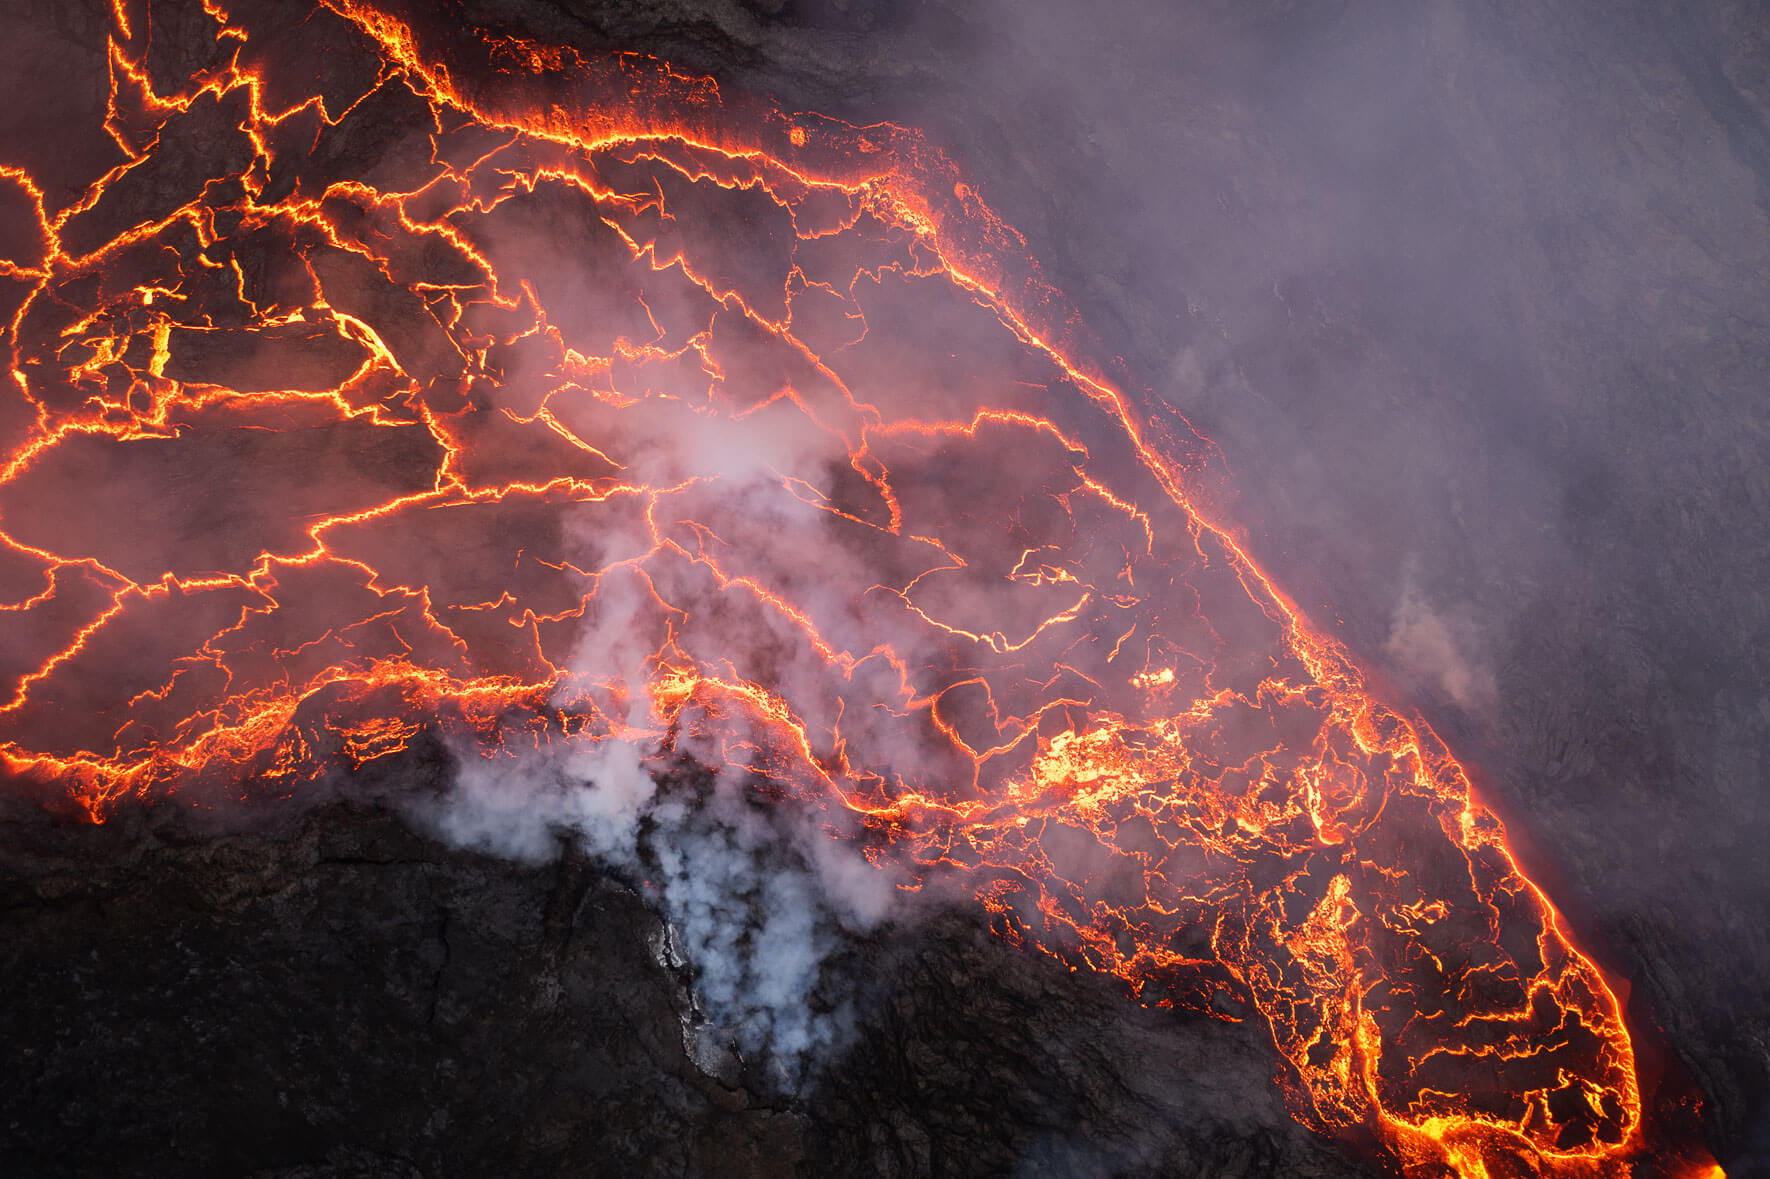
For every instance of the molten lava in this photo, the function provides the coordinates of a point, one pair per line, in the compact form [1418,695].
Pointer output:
[369,379]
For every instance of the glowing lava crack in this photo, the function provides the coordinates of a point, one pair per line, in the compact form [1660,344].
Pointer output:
[602,405]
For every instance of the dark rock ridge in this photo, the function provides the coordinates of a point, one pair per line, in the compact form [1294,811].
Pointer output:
[333,995]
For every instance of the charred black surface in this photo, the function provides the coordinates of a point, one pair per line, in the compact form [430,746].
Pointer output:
[333,995]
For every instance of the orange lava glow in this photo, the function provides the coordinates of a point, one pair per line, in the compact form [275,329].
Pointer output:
[381,379]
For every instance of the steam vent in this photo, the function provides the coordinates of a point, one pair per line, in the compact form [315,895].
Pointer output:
[847,588]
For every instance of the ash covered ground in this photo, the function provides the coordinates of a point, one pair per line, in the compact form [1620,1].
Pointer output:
[1473,302]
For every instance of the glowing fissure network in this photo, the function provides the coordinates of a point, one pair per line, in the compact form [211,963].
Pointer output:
[375,379]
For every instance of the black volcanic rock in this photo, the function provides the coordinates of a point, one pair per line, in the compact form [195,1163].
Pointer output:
[336,996]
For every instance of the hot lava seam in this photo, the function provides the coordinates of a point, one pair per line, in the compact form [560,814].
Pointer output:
[367,380]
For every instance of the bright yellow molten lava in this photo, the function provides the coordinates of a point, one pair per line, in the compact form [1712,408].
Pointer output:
[395,380]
